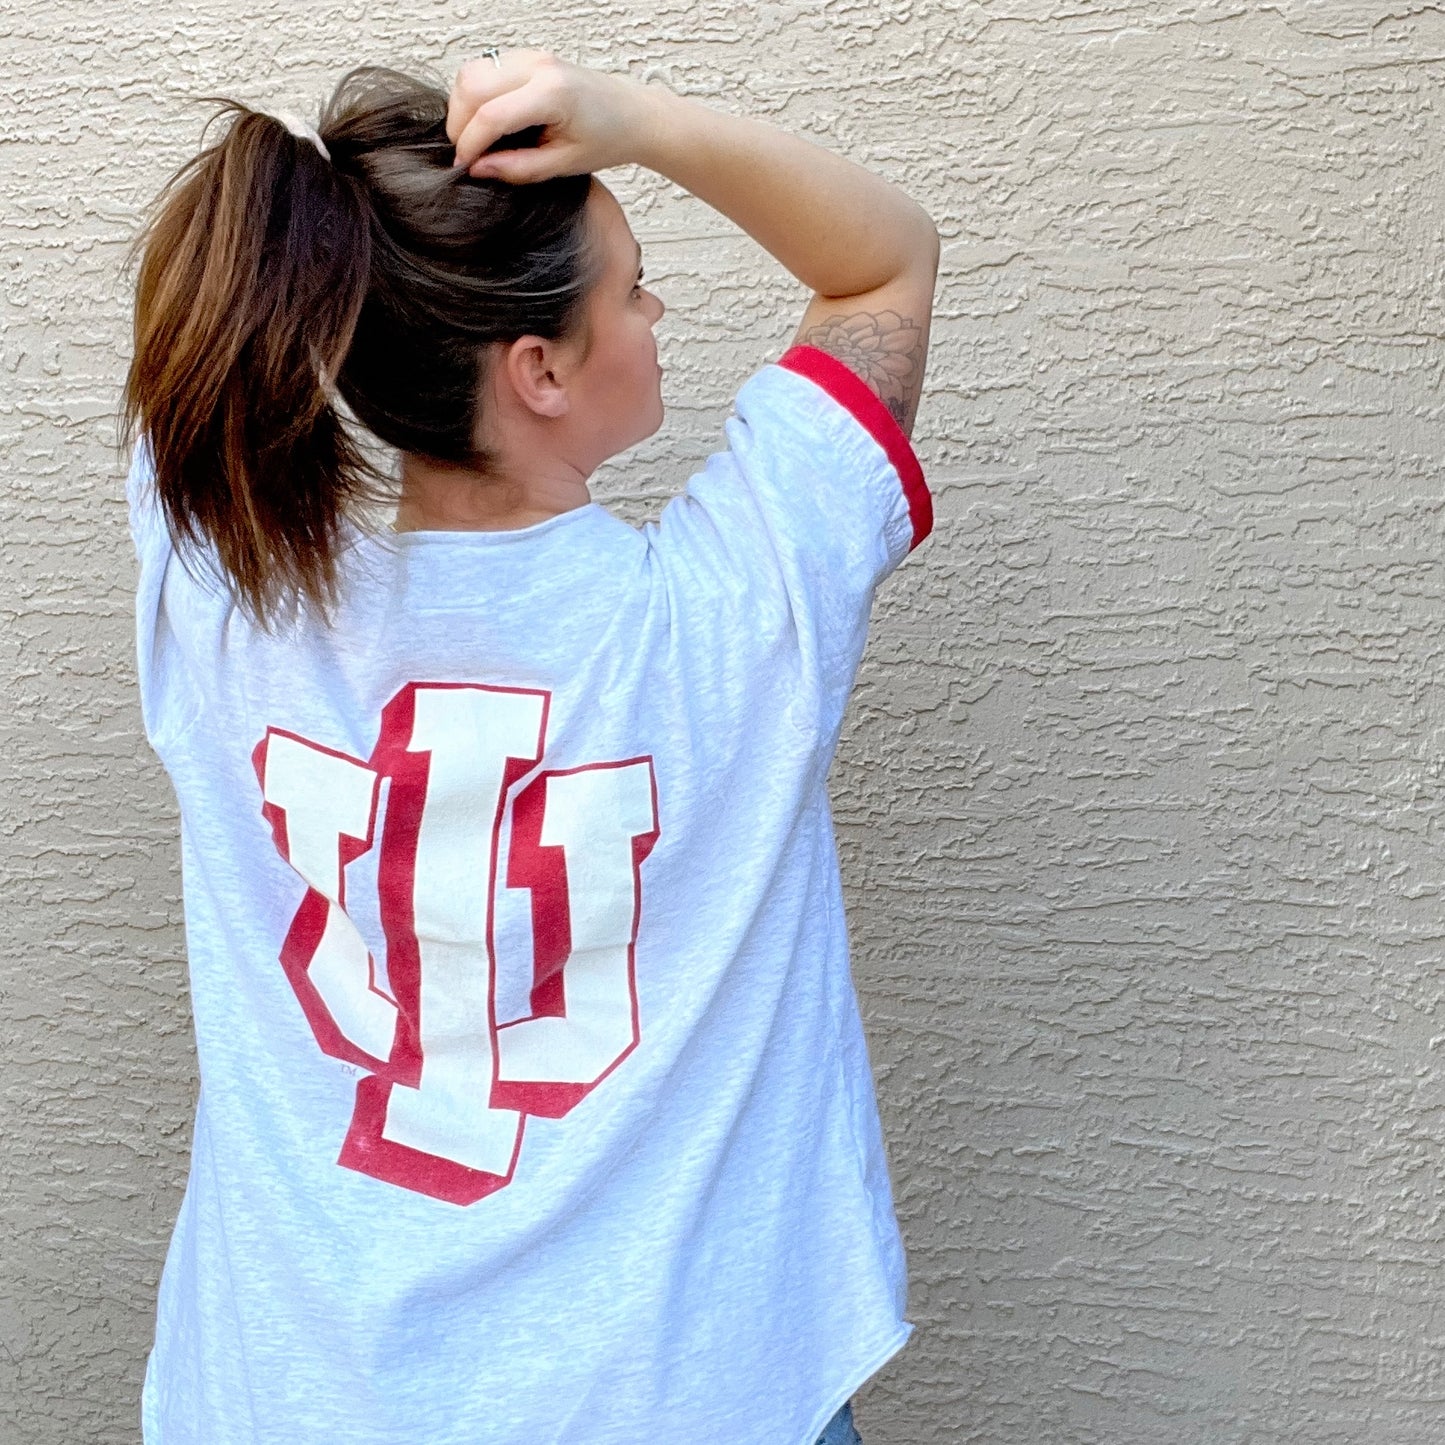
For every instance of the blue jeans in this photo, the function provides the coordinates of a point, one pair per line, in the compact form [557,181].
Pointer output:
[839,1430]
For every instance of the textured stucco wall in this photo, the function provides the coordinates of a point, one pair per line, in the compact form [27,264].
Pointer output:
[1141,794]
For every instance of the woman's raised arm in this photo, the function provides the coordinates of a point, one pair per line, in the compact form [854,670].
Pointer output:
[865,248]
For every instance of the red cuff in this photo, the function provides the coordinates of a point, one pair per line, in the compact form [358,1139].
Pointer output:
[849,390]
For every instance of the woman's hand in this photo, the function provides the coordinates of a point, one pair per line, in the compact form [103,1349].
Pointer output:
[590,120]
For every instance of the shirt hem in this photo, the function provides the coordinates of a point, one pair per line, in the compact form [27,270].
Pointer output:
[150,1432]
[859,1379]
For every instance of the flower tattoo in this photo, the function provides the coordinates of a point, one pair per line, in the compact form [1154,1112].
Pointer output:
[885,349]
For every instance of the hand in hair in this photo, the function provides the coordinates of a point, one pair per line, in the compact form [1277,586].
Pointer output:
[590,120]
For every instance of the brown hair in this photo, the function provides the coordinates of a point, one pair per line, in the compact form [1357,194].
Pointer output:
[271,276]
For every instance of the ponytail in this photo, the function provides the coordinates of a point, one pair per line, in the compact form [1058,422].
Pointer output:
[274,279]
[255,266]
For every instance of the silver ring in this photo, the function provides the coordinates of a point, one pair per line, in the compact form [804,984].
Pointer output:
[495,54]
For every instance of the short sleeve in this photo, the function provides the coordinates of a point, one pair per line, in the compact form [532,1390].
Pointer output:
[169,697]
[816,499]
[895,500]
[147,525]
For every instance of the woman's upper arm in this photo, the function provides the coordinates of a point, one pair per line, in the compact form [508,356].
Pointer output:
[881,335]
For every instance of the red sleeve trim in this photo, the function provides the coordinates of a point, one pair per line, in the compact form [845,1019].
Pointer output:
[849,390]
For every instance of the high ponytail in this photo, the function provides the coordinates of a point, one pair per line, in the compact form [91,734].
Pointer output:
[273,280]
[254,272]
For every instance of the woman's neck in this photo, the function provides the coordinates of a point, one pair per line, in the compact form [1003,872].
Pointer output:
[454,499]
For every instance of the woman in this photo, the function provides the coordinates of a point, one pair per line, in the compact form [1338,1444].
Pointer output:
[534,1103]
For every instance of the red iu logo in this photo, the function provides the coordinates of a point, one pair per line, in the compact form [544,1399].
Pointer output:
[448,1088]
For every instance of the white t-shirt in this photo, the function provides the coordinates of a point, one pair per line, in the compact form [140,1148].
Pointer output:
[535,1107]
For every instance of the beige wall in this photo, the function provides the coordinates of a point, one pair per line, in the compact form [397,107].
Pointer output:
[1140,799]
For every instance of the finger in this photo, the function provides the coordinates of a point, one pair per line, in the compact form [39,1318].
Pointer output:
[477,82]
[520,168]
[505,115]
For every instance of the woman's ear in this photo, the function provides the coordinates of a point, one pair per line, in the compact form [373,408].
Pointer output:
[530,368]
